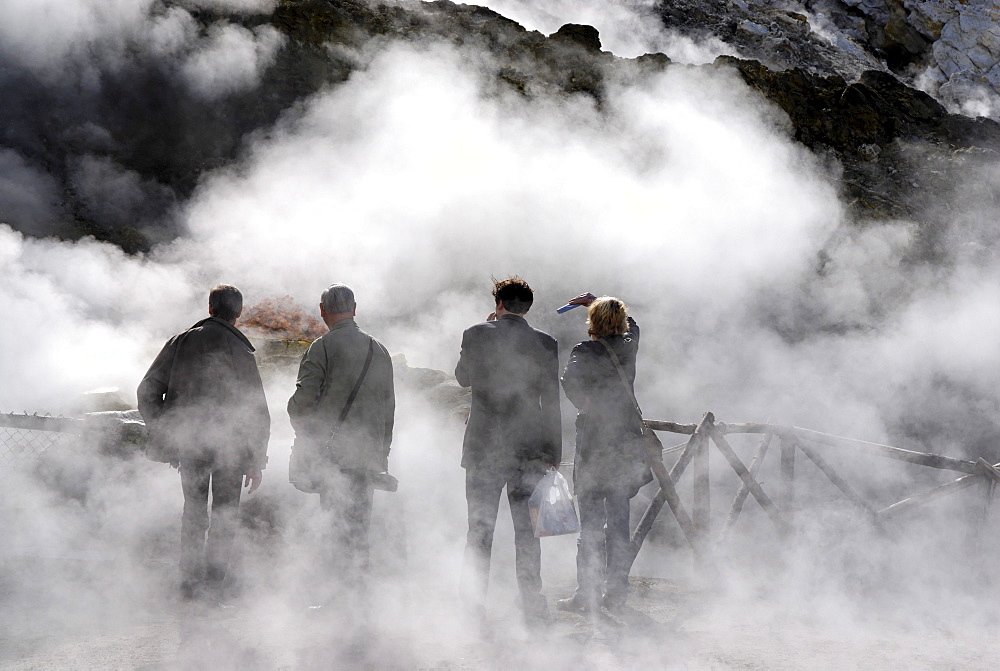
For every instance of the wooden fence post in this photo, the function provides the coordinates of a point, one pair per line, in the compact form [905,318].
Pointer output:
[980,515]
[788,478]
[702,504]
[646,523]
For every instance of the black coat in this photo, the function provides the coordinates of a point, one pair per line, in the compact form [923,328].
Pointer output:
[202,398]
[607,424]
[513,370]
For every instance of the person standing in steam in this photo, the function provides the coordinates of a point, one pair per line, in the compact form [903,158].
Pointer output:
[608,470]
[513,434]
[203,403]
[346,363]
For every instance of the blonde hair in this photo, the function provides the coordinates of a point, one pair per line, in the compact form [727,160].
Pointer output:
[607,316]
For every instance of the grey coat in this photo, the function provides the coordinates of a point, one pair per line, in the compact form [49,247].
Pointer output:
[513,370]
[202,398]
[327,373]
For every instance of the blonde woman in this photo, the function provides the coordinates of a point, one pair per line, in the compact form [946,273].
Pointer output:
[606,472]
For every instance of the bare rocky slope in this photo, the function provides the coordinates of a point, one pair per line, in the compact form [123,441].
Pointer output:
[844,72]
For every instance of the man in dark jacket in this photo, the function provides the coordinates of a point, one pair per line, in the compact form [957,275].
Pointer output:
[514,432]
[203,403]
[328,373]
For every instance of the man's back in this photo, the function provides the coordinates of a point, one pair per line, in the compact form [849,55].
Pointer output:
[203,396]
[513,370]
[327,374]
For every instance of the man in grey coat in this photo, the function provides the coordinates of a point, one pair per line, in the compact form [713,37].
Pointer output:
[328,372]
[203,403]
[514,433]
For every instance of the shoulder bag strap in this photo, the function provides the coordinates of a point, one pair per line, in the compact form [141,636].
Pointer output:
[621,374]
[354,392]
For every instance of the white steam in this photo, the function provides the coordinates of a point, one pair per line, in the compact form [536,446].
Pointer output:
[231,60]
[682,194]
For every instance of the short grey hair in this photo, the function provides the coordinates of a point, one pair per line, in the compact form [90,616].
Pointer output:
[338,298]
[225,302]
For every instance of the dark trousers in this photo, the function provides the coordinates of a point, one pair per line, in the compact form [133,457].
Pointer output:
[482,493]
[205,561]
[346,499]
[603,550]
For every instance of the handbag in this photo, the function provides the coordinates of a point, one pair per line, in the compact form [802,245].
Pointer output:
[648,446]
[305,462]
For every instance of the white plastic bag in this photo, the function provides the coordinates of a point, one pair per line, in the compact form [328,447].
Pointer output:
[551,507]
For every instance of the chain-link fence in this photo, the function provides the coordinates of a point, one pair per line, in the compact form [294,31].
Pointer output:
[29,436]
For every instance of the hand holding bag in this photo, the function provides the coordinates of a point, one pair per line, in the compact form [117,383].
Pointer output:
[551,507]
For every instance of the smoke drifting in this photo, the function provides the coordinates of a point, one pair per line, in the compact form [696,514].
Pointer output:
[414,182]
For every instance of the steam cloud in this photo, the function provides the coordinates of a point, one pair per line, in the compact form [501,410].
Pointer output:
[414,182]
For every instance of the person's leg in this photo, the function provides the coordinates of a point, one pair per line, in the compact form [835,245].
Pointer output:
[195,476]
[227,484]
[346,499]
[482,495]
[590,549]
[619,549]
[527,549]
[357,518]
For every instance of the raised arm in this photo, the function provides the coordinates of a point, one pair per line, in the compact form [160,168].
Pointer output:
[633,328]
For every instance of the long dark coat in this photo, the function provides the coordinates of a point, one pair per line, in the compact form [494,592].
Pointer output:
[202,398]
[603,460]
[513,370]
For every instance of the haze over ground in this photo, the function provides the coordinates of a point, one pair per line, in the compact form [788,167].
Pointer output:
[414,182]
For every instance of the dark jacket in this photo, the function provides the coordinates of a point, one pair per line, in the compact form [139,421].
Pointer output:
[202,398]
[327,374]
[610,421]
[513,370]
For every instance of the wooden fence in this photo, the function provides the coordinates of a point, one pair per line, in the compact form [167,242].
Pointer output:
[793,441]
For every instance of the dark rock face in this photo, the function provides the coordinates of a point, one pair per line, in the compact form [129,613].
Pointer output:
[874,126]
[139,127]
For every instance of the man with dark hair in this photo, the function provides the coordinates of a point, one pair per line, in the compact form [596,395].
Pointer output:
[513,434]
[349,371]
[204,406]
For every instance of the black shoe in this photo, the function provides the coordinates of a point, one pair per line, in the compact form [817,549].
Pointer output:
[614,604]
[574,604]
[190,590]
